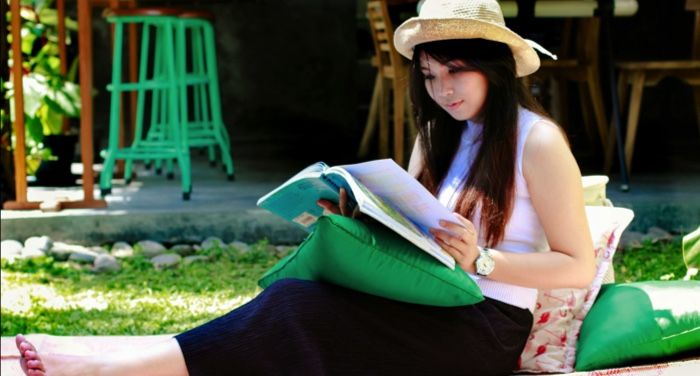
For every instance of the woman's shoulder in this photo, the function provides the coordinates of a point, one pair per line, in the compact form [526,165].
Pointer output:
[544,133]
[546,146]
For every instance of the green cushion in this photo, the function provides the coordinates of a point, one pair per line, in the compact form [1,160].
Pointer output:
[632,322]
[370,258]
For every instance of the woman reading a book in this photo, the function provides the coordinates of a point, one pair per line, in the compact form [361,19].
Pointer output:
[486,151]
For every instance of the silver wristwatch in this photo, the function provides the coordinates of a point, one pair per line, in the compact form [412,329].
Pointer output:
[484,263]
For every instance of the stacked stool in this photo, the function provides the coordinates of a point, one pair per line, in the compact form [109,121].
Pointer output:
[172,131]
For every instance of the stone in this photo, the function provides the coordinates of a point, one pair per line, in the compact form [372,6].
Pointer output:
[166,260]
[183,249]
[240,246]
[106,263]
[100,250]
[42,243]
[195,258]
[62,251]
[32,252]
[657,233]
[84,257]
[10,249]
[284,248]
[269,248]
[122,250]
[631,239]
[151,248]
[53,205]
[212,242]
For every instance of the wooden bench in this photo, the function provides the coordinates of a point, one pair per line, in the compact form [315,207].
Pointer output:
[640,74]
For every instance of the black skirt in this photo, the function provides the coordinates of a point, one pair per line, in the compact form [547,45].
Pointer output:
[299,327]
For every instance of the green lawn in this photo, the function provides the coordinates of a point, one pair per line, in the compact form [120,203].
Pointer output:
[659,260]
[41,295]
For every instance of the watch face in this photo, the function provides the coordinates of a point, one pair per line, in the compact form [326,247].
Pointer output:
[484,264]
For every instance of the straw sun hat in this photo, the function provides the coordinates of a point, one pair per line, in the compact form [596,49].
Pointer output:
[466,19]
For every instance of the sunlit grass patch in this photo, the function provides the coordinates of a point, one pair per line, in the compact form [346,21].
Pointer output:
[62,298]
[652,261]
[45,296]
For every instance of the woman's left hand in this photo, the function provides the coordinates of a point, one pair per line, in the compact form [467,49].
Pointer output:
[459,240]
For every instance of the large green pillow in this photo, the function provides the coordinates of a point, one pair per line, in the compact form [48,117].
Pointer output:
[632,322]
[370,258]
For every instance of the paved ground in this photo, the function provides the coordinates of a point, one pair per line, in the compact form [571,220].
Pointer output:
[151,207]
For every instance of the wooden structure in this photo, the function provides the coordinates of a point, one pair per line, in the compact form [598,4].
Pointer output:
[639,74]
[21,201]
[390,93]
[579,62]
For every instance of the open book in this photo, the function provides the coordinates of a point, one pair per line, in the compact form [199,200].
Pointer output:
[381,189]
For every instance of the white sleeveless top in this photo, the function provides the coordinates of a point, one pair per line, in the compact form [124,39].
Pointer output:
[524,232]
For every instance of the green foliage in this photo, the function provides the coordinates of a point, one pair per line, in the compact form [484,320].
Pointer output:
[63,298]
[691,249]
[653,261]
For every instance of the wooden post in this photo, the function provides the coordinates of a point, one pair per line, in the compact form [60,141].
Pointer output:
[61,11]
[86,116]
[85,53]
[20,147]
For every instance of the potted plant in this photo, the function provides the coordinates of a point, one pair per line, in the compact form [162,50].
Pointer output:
[49,97]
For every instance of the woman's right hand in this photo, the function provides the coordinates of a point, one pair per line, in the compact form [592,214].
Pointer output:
[341,208]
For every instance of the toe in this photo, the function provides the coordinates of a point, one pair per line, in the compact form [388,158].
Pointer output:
[19,339]
[22,344]
[25,347]
[35,365]
[31,355]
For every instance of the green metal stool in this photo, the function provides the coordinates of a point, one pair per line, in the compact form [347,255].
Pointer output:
[165,87]
[158,130]
[199,82]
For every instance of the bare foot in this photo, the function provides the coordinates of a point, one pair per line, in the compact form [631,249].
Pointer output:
[159,359]
[53,364]
[29,358]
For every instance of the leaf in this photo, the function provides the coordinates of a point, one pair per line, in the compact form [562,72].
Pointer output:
[26,12]
[40,5]
[34,129]
[691,249]
[49,16]
[65,100]
[35,88]
[28,39]
[51,120]
[73,71]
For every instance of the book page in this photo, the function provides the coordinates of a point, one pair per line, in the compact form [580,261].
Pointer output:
[375,207]
[365,198]
[394,185]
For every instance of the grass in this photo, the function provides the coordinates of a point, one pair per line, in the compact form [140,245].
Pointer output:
[43,295]
[652,261]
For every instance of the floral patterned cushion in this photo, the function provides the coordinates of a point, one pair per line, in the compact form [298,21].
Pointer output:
[559,313]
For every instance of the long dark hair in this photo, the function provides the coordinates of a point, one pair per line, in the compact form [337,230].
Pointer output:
[490,183]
